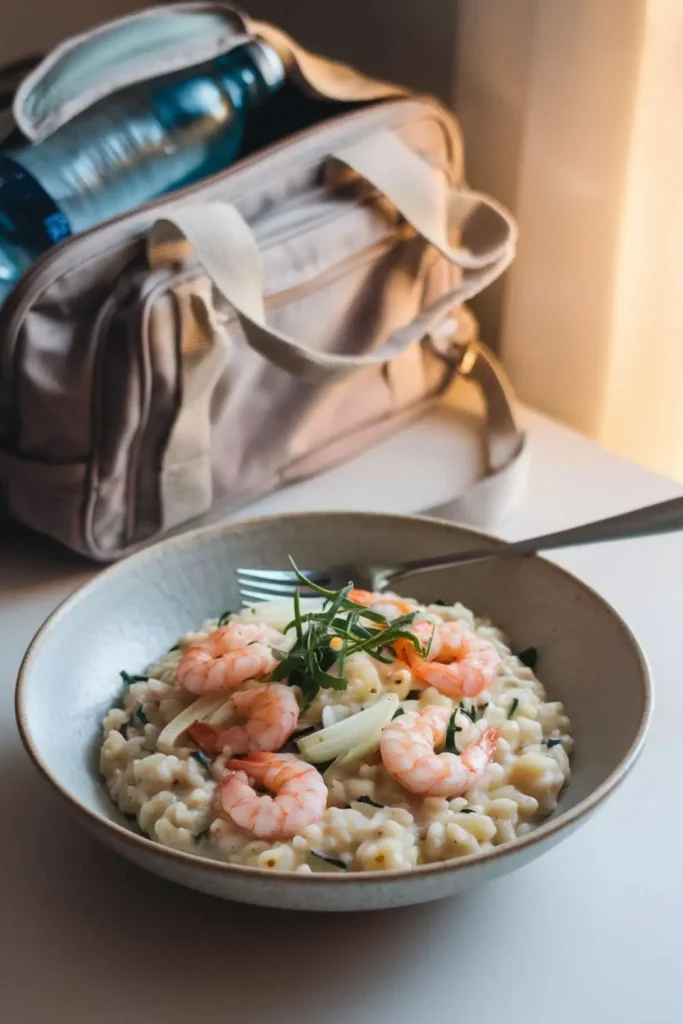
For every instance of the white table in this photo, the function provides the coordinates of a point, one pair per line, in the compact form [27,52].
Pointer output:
[589,933]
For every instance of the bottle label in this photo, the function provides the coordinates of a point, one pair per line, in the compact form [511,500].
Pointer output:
[27,213]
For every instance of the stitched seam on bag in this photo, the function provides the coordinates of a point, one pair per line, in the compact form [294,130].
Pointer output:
[91,485]
[16,417]
[134,242]
[233,199]
[345,268]
[155,69]
[411,409]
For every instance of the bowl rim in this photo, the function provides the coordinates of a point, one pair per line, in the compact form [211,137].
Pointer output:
[138,841]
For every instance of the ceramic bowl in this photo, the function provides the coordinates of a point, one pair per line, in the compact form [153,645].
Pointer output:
[128,614]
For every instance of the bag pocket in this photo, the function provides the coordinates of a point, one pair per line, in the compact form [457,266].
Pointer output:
[47,497]
[339,276]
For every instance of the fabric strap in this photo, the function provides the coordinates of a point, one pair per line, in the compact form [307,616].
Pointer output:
[471,231]
[485,237]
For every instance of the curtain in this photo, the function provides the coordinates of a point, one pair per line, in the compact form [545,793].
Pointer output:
[572,114]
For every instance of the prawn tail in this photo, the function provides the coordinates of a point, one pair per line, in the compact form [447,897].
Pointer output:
[481,753]
[489,742]
[205,736]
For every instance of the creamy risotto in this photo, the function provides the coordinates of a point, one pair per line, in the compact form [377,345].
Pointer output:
[357,732]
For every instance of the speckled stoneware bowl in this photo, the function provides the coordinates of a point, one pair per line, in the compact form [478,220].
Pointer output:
[130,613]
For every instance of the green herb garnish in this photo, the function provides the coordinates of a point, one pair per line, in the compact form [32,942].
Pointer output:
[129,679]
[204,759]
[529,657]
[141,716]
[553,743]
[369,800]
[476,711]
[325,638]
[467,810]
[176,647]
[513,707]
[397,713]
[329,860]
[201,835]
[225,617]
[471,714]
[450,744]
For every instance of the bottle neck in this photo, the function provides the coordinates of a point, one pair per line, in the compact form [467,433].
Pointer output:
[250,73]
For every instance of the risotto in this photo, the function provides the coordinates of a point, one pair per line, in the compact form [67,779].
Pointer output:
[357,732]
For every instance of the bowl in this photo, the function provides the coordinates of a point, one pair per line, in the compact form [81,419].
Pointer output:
[131,612]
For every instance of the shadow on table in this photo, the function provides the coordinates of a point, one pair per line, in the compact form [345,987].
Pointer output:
[28,559]
[177,950]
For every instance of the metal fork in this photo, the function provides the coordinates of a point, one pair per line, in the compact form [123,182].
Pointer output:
[270,584]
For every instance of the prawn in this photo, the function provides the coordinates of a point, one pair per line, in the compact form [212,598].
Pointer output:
[300,794]
[386,604]
[228,657]
[407,749]
[271,711]
[455,661]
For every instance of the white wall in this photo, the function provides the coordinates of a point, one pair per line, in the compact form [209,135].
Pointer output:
[489,91]
[572,162]
[572,115]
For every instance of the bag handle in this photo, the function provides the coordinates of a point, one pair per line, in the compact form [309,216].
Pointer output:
[186,479]
[485,237]
[226,248]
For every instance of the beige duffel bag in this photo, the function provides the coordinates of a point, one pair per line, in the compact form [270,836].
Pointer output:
[257,327]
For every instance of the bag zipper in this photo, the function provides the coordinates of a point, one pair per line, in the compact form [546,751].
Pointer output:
[49,266]
[272,301]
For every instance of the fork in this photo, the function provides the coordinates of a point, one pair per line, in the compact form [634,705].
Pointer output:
[257,585]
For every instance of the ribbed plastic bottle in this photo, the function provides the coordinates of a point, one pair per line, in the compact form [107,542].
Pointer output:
[140,143]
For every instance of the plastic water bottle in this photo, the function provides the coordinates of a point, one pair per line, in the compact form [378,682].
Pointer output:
[132,147]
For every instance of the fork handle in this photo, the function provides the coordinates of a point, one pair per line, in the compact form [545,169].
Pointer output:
[664,517]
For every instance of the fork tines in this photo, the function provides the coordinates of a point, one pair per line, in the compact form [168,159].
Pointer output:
[273,584]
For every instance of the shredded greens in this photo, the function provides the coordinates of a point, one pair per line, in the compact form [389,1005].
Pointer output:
[475,711]
[225,618]
[370,801]
[129,679]
[201,835]
[329,860]
[513,707]
[203,758]
[450,744]
[140,715]
[314,662]
[552,743]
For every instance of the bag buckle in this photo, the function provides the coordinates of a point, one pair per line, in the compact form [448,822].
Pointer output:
[455,342]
